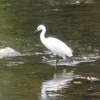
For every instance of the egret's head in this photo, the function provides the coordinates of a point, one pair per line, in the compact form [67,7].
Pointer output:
[39,28]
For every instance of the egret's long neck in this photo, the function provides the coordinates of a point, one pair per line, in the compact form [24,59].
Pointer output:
[42,35]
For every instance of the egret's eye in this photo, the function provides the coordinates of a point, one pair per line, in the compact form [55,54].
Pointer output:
[38,29]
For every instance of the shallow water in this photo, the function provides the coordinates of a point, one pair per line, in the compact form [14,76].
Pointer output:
[31,75]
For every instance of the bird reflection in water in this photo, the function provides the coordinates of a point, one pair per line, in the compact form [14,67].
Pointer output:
[60,80]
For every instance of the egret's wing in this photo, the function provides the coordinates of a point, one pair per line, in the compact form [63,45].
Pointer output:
[59,47]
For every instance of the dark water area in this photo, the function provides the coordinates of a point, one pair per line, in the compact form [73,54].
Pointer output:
[30,75]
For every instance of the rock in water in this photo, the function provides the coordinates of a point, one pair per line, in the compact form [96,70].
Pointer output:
[7,51]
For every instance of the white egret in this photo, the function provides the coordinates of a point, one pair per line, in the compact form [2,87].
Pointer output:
[56,46]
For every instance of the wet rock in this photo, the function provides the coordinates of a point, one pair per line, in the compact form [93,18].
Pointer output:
[77,2]
[7,51]
[93,79]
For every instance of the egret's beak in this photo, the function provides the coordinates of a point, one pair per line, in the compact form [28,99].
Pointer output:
[35,31]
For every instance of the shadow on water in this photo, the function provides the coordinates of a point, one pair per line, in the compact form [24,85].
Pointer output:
[27,73]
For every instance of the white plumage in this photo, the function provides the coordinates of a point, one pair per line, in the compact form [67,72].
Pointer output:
[55,45]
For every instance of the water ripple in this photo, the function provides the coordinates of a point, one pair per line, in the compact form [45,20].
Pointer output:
[92,57]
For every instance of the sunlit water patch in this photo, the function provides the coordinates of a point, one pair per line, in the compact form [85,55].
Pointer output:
[14,63]
[77,2]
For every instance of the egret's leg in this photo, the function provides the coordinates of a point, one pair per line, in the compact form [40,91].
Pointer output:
[55,62]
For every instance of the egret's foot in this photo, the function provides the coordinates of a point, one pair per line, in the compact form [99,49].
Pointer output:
[55,64]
